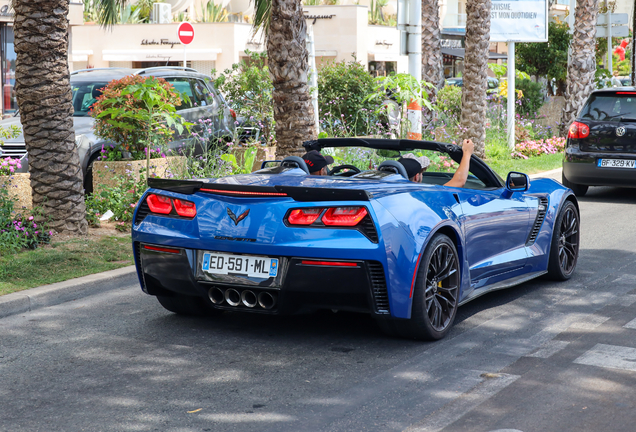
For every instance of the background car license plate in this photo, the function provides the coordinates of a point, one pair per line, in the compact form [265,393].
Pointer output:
[242,265]
[616,163]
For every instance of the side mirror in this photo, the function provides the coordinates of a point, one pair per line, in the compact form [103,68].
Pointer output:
[517,182]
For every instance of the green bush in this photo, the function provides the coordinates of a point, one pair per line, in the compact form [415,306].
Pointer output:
[138,112]
[342,98]
[449,102]
[532,99]
[248,89]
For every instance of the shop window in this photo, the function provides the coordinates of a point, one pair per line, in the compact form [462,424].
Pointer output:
[9,101]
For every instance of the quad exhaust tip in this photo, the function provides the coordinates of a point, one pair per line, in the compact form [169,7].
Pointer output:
[247,298]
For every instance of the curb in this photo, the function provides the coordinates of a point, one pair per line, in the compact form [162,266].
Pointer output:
[62,292]
[546,173]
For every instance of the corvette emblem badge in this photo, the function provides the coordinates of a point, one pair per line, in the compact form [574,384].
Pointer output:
[238,218]
[620,131]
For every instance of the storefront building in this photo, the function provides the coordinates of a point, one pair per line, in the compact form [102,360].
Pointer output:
[341,33]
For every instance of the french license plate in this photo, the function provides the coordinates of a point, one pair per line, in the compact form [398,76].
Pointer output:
[616,163]
[240,265]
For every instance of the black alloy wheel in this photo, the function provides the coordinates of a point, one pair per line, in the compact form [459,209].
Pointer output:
[435,293]
[564,250]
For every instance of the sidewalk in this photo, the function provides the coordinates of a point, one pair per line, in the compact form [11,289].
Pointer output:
[73,289]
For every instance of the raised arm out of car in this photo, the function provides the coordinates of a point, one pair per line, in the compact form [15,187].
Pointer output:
[461,175]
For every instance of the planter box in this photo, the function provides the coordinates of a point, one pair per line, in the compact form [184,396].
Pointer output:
[19,186]
[109,173]
[263,154]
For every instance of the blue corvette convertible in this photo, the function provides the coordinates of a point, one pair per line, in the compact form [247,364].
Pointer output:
[281,241]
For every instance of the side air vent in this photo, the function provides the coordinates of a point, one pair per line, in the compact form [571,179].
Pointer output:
[137,252]
[367,227]
[543,209]
[378,285]
[142,213]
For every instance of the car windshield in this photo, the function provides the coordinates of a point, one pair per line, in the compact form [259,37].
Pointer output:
[85,94]
[609,107]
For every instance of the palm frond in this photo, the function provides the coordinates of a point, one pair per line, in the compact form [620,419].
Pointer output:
[262,15]
[108,11]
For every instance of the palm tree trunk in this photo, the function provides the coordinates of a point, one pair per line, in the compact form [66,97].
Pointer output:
[43,92]
[432,59]
[582,65]
[288,65]
[473,121]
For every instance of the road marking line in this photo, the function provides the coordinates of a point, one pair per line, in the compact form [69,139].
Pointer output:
[549,348]
[609,356]
[590,323]
[459,407]
[631,324]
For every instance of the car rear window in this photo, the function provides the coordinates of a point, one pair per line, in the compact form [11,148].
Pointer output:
[610,106]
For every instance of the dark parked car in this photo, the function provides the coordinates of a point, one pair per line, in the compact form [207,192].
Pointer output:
[205,103]
[601,144]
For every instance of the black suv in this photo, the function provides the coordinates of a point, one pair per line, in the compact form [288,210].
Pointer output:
[601,144]
[205,103]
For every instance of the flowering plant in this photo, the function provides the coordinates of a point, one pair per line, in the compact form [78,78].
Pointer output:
[136,112]
[9,165]
[18,231]
[530,148]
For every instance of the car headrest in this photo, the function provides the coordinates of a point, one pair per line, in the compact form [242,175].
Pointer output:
[97,92]
[393,166]
[295,161]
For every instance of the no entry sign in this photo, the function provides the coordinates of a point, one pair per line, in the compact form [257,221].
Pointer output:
[185,33]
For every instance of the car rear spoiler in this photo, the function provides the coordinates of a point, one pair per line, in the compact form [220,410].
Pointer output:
[301,194]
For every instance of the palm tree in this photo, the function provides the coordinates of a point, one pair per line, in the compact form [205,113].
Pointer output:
[432,60]
[473,120]
[582,65]
[43,92]
[285,32]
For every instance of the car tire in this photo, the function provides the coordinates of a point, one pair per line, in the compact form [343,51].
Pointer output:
[435,292]
[564,248]
[188,305]
[579,190]
[88,177]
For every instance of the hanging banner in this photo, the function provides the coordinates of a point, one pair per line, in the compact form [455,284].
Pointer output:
[519,21]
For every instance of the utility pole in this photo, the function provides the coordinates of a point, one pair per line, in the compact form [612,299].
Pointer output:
[414,44]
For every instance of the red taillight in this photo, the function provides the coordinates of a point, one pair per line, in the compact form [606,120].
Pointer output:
[344,216]
[304,216]
[159,204]
[233,113]
[630,93]
[162,249]
[578,130]
[185,208]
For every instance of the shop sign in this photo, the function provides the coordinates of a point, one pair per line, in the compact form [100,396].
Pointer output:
[317,17]
[145,42]
[384,43]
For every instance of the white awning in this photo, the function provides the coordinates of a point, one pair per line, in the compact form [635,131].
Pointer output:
[81,55]
[203,54]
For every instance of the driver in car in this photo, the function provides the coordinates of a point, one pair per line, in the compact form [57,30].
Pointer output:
[416,166]
[317,163]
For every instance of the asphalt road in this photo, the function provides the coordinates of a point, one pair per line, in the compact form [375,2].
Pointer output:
[539,357]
